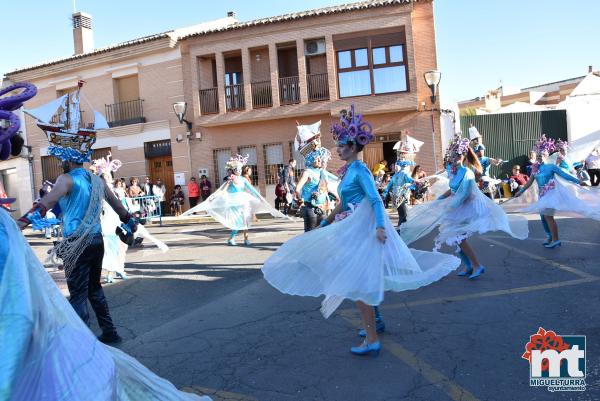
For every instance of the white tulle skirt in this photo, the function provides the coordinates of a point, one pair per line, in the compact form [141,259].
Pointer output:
[565,198]
[114,248]
[48,353]
[235,210]
[346,261]
[476,215]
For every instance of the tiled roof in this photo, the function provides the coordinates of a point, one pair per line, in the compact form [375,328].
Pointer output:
[212,28]
[363,5]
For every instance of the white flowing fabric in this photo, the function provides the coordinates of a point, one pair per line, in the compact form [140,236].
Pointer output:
[476,215]
[566,199]
[235,210]
[346,261]
[48,353]
[114,248]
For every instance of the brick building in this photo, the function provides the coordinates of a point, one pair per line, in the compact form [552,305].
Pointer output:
[246,86]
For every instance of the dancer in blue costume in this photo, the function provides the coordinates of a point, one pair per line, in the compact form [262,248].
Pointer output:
[48,353]
[236,202]
[462,211]
[555,192]
[312,187]
[357,255]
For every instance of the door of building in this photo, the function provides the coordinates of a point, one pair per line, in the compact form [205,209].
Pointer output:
[373,154]
[162,167]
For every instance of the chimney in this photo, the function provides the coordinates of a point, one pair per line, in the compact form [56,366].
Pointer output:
[83,36]
[590,69]
[231,14]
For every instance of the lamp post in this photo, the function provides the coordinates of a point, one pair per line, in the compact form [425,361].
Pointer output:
[180,108]
[432,78]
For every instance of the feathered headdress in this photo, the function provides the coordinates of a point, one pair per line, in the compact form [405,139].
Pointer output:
[106,165]
[322,153]
[308,138]
[544,145]
[237,162]
[458,146]
[352,128]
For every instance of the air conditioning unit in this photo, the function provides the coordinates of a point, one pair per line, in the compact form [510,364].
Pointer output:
[314,47]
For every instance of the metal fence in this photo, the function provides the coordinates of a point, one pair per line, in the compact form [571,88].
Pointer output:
[145,207]
[511,136]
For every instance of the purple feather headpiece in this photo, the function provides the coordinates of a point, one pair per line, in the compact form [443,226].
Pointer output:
[352,129]
[545,145]
[458,146]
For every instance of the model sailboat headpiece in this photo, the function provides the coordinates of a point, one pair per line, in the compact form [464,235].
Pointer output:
[308,138]
[61,121]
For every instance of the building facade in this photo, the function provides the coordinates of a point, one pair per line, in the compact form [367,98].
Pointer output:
[246,86]
[249,84]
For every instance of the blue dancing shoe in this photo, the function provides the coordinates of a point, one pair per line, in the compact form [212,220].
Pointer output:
[231,242]
[247,242]
[123,276]
[468,267]
[379,328]
[480,270]
[366,348]
[554,244]
[548,240]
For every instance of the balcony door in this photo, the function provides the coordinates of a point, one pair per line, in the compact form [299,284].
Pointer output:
[234,90]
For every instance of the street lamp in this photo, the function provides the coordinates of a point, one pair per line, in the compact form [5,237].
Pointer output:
[180,108]
[432,78]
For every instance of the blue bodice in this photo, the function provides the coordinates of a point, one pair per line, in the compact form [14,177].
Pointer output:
[546,172]
[312,183]
[356,185]
[75,204]
[240,184]
[461,184]
[397,181]
[566,164]
[485,165]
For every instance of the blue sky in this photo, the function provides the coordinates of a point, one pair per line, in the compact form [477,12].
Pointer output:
[480,43]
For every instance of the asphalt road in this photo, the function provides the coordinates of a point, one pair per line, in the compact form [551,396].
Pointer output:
[202,316]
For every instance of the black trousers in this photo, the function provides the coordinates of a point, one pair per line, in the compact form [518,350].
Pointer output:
[311,219]
[193,201]
[84,283]
[402,213]
[594,176]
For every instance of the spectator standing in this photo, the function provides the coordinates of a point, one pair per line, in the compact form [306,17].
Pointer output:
[288,180]
[205,187]
[592,163]
[134,188]
[160,190]
[193,192]
[147,187]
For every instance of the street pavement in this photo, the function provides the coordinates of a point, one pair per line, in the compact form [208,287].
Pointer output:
[201,316]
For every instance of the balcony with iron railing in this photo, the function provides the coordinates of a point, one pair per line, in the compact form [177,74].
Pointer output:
[125,113]
[289,90]
[262,94]
[318,87]
[234,97]
[209,101]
